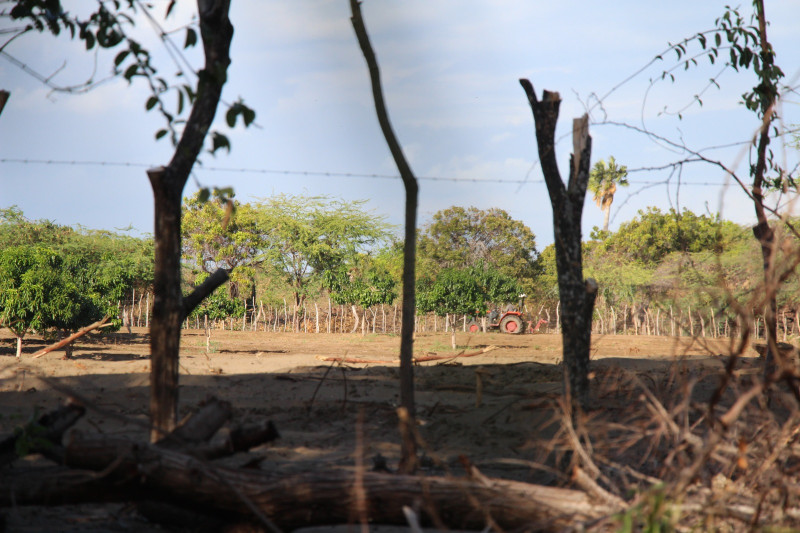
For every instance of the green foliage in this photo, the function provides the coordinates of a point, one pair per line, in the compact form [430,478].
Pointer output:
[62,278]
[603,182]
[219,305]
[619,281]
[465,291]
[361,281]
[546,288]
[109,27]
[38,291]
[745,50]
[653,234]
[459,237]
[15,229]
[222,233]
[31,437]
[306,236]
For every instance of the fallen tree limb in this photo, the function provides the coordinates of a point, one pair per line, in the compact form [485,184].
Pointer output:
[317,497]
[356,360]
[67,340]
[422,359]
[42,436]
[200,426]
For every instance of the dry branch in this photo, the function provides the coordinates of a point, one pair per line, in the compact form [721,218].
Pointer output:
[49,428]
[423,359]
[80,333]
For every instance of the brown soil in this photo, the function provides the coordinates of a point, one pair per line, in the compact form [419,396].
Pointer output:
[315,404]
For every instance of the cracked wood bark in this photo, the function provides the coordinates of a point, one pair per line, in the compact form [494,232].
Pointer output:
[324,496]
[408,463]
[577,296]
[168,183]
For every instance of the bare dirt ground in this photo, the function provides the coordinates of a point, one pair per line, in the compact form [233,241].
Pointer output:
[495,408]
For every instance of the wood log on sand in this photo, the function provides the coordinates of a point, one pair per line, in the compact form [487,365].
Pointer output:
[102,468]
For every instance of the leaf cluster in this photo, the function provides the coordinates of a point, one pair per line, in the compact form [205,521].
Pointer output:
[107,28]
[460,237]
[652,235]
[294,240]
[362,281]
[57,277]
[465,291]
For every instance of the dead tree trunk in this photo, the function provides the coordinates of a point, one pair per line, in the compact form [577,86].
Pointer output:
[577,296]
[410,236]
[168,183]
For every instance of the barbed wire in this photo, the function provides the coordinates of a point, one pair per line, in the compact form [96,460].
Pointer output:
[330,174]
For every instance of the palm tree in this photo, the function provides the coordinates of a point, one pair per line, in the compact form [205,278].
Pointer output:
[603,181]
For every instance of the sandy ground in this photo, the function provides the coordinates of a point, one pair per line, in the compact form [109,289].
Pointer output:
[492,408]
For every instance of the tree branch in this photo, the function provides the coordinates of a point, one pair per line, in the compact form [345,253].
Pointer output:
[202,291]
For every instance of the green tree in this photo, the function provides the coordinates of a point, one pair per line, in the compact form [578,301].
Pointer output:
[603,182]
[38,291]
[219,305]
[361,281]
[459,237]
[222,233]
[653,234]
[306,236]
[17,230]
[464,291]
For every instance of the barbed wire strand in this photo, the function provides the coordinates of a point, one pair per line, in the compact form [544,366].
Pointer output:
[331,174]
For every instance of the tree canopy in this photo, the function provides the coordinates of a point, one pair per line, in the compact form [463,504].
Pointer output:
[222,233]
[61,278]
[603,181]
[303,237]
[653,234]
[461,237]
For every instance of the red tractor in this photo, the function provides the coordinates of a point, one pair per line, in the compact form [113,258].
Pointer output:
[509,321]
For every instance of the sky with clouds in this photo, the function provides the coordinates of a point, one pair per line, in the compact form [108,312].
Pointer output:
[450,71]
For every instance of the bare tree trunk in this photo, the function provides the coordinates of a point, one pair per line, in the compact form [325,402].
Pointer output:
[355,318]
[713,324]
[671,322]
[408,460]
[625,320]
[614,319]
[576,295]
[139,313]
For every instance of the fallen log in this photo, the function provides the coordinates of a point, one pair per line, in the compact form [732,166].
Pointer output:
[200,426]
[422,359]
[324,496]
[42,436]
[67,340]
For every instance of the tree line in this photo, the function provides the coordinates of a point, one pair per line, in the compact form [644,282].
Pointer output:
[319,264]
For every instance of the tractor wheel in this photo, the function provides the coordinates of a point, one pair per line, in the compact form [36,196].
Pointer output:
[511,324]
[473,326]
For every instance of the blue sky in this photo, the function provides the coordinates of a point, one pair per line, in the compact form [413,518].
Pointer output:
[450,71]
